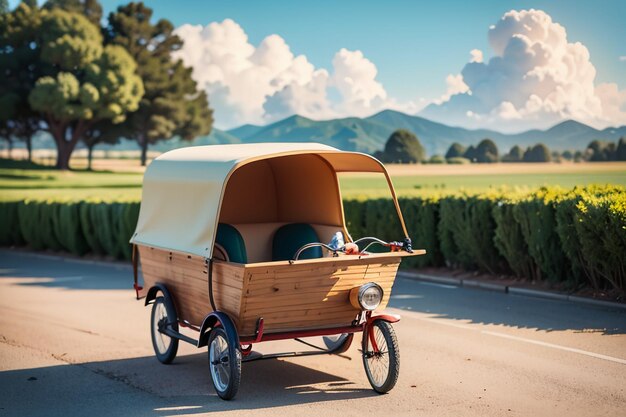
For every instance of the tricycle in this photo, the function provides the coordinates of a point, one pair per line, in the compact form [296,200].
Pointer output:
[248,243]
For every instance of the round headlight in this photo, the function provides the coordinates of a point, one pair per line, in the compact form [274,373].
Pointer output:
[367,296]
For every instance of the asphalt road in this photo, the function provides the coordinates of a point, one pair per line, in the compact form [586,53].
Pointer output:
[73,341]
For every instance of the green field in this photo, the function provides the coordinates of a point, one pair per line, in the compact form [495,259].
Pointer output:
[19,184]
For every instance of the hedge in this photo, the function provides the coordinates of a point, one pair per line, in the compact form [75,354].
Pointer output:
[573,238]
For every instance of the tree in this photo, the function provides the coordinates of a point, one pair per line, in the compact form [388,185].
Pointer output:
[486,151]
[538,153]
[4,6]
[515,155]
[470,153]
[567,155]
[20,67]
[601,151]
[172,105]
[88,83]
[620,152]
[403,147]
[455,150]
[91,9]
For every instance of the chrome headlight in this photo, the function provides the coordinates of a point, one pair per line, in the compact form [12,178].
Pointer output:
[366,297]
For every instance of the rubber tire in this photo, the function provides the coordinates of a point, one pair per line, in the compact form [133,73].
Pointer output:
[394,358]
[339,346]
[234,356]
[171,351]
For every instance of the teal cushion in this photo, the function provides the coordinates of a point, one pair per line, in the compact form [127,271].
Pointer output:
[230,239]
[291,237]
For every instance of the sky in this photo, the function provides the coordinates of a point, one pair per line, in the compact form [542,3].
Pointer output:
[261,61]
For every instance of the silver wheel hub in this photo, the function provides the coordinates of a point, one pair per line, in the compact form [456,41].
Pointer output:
[219,363]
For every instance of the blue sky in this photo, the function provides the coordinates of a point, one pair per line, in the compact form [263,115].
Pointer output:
[414,45]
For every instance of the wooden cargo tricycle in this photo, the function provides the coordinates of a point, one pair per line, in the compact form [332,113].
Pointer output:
[233,243]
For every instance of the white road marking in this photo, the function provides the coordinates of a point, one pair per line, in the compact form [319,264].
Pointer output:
[406,297]
[553,346]
[418,316]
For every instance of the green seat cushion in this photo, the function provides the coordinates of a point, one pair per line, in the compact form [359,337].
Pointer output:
[230,239]
[291,237]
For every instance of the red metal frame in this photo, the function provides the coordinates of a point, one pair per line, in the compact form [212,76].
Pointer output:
[260,337]
[364,327]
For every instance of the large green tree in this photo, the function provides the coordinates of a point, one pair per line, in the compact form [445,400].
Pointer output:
[516,154]
[87,82]
[486,151]
[455,150]
[20,68]
[537,153]
[91,9]
[403,147]
[172,105]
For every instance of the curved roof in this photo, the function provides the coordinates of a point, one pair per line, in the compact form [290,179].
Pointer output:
[183,189]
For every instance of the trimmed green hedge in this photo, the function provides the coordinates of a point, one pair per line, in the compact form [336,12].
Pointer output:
[573,238]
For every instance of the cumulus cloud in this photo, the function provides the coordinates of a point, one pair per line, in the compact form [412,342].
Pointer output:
[260,84]
[535,78]
[477,55]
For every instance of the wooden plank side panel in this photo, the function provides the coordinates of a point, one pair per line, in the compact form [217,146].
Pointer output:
[186,278]
[309,296]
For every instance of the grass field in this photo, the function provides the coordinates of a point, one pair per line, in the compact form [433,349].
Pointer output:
[36,183]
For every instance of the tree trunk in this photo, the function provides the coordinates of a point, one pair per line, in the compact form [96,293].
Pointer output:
[10,147]
[90,147]
[64,152]
[144,150]
[29,147]
[65,147]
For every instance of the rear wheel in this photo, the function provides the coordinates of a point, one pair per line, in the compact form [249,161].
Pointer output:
[338,343]
[382,367]
[165,347]
[225,364]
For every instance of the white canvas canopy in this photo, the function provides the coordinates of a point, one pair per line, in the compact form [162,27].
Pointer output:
[188,191]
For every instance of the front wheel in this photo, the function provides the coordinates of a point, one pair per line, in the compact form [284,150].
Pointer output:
[225,364]
[163,315]
[383,366]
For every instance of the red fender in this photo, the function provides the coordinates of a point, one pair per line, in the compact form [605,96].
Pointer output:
[367,326]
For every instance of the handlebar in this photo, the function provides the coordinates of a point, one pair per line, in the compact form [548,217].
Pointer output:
[394,246]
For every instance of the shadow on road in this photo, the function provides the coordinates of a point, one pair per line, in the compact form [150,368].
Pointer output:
[485,307]
[55,272]
[151,388]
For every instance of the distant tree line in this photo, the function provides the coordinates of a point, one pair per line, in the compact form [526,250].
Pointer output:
[404,147]
[63,72]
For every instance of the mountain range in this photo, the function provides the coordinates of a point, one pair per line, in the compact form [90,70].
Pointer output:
[370,134]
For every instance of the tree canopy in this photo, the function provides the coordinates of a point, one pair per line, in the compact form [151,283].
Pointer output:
[537,153]
[487,151]
[403,147]
[516,154]
[455,150]
[87,82]
[172,105]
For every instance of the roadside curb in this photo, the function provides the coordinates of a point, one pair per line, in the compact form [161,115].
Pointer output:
[115,264]
[526,292]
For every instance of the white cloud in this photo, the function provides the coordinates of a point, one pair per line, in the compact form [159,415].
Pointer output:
[536,78]
[248,84]
[477,55]
[622,58]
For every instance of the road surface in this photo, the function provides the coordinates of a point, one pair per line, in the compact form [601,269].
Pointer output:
[73,341]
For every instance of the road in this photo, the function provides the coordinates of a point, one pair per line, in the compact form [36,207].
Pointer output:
[73,341]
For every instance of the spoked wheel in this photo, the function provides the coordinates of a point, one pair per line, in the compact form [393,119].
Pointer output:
[225,364]
[338,343]
[382,367]
[163,315]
